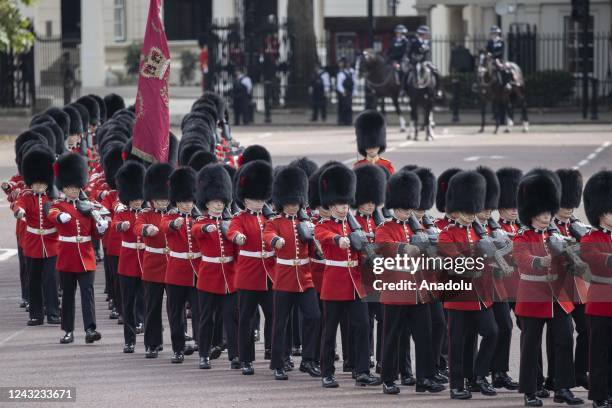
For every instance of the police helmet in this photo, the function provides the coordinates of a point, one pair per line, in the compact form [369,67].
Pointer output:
[495,30]
[423,29]
[400,28]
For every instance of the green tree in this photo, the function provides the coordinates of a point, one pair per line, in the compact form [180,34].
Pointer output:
[15,33]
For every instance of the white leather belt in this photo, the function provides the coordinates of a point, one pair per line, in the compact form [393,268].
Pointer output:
[345,264]
[78,239]
[539,278]
[154,250]
[133,245]
[318,261]
[293,262]
[185,255]
[41,231]
[217,259]
[601,279]
[256,254]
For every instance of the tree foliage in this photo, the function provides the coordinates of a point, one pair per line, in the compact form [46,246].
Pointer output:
[15,33]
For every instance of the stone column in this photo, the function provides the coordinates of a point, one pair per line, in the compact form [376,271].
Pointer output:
[92,44]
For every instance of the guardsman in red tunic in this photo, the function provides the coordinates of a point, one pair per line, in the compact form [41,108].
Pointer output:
[155,257]
[293,287]
[76,262]
[40,238]
[254,265]
[540,298]
[438,317]
[443,180]
[571,193]
[596,250]
[408,308]
[371,131]
[130,186]
[469,310]
[216,292]
[342,290]
[184,259]
[75,132]
[369,195]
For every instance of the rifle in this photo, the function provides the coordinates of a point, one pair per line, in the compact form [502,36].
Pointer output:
[92,209]
[267,211]
[379,217]
[578,229]
[226,217]
[494,248]
[420,238]
[570,249]
[358,238]
[305,231]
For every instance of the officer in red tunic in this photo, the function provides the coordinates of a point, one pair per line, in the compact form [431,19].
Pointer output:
[371,132]
[469,310]
[76,262]
[40,238]
[183,261]
[75,132]
[443,180]
[255,261]
[408,308]
[540,298]
[571,193]
[596,250]
[155,257]
[216,291]
[293,287]
[342,289]
[130,186]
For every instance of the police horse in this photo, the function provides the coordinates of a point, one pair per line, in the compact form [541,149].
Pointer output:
[421,88]
[504,99]
[381,78]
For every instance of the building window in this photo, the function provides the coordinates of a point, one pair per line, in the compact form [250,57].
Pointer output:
[573,45]
[119,15]
[187,19]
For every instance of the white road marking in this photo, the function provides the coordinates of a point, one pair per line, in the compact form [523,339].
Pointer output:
[406,143]
[264,135]
[476,158]
[349,161]
[7,253]
[593,155]
[12,336]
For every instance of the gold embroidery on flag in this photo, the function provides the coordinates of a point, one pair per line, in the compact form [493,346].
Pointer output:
[155,64]
[164,94]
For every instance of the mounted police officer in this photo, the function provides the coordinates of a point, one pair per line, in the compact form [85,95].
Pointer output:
[419,52]
[496,49]
[397,50]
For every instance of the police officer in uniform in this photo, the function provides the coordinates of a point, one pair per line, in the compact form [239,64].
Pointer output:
[419,52]
[397,50]
[320,86]
[242,91]
[345,84]
[496,49]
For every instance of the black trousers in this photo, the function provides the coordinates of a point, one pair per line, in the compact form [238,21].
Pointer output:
[113,267]
[418,319]
[248,300]
[153,299]
[319,330]
[43,287]
[319,106]
[23,275]
[296,327]
[88,305]
[600,357]
[284,302]
[581,353]
[462,327]
[176,298]
[214,309]
[405,359]
[129,290]
[501,358]
[357,312]
[375,317]
[108,281]
[438,329]
[560,325]
[345,339]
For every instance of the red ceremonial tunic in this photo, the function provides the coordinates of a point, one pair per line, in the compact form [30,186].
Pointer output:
[292,268]
[578,285]
[384,163]
[184,255]
[131,255]
[537,294]
[255,261]
[155,257]
[442,223]
[112,239]
[216,272]
[15,187]
[75,250]
[40,236]
[596,250]
[341,277]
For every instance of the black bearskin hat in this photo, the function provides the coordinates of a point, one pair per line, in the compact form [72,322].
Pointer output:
[254,181]
[201,159]
[290,186]
[27,136]
[307,165]
[101,106]
[492,196]
[255,152]
[111,162]
[370,128]
[509,179]
[156,181]
[71,171]
[571,187]
[44,119]
[182,185]
[37,165]
[92,109]
[443,180]
[598,196]
[113,103]
[466,192]
[337,185]
[428,188]
[130,182]
[314,200]
[187,151]
[173,145]
[83,113]
[538,193]
[213,183]
[404,190]
[47,133]
[370,188]
[217,100]
[75,123]
[62,119]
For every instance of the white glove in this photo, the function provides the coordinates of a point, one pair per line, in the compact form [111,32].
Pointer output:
[102,226]
[178,223]
[125,225]
[20,213]
[151,230]
[344,242]
[64,218]
[210,228]
[240,239]
[119,208]
[279,243]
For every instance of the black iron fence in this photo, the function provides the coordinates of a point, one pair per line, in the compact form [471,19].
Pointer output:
[16,79]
